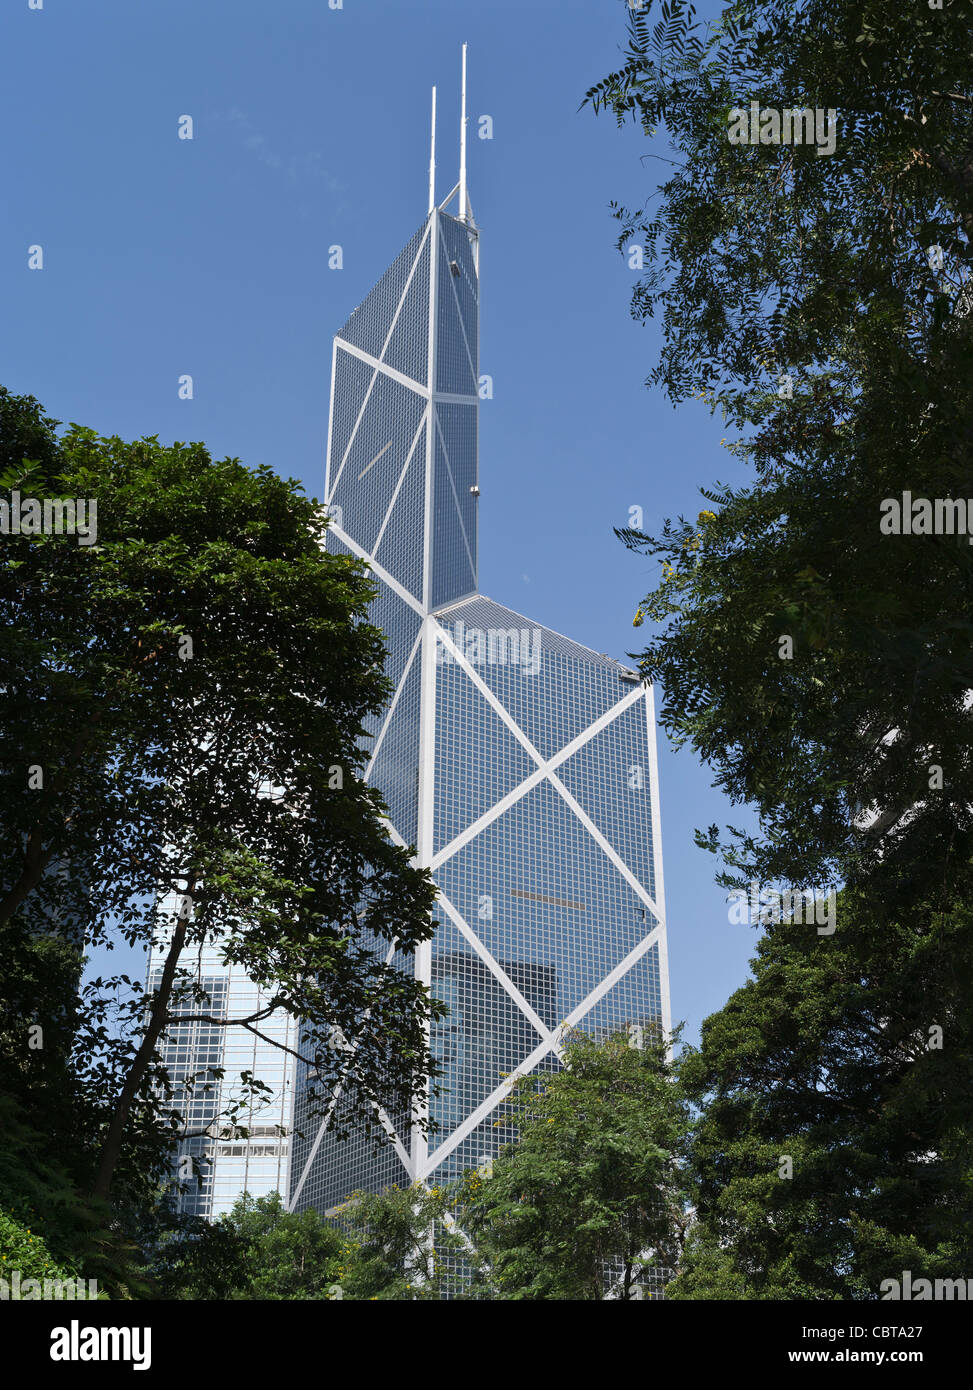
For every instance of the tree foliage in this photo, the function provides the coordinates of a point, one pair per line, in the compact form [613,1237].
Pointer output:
[258,1250]
[819,663]
[183,704]
[821,302]
[590,1199]
[401,1245]
[833,1149]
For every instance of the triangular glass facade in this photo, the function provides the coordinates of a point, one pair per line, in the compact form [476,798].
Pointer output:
[518,765]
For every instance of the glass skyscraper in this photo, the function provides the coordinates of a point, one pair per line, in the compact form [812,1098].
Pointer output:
[253,1154]
[520,765]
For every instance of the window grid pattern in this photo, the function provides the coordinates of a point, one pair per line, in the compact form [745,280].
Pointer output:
[359,1163]
[368,326]
[478,759]
[382,444]
[454,505]
[553,912]
[568,691]
[486,1035]
[395,771]
[609,778]
[401,624]
[189,1049]
[489,1136]
[635,1001]
[459,251]
[536,880]
[408,348]
[352,378]
[400,550]
[456,359]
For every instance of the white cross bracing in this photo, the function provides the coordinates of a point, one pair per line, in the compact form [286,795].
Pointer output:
[420,1163]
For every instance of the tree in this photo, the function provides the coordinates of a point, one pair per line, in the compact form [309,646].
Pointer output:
[833,1149]
[183,705]
[821,301]
[44,1170]
[259,1250]
[402,1244]
[24,1256]
[589,1200]
[816,657]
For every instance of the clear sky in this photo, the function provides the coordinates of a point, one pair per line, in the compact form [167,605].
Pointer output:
[210,257]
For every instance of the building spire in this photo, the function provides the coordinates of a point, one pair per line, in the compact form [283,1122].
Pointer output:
[463,200]
[432,155]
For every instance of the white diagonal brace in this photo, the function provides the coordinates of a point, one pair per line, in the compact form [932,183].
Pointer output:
[614,975]
[635,694]
[395,837]
[358,419]
[531,1061]
[398,486]
[425,814]
[452,486]
[380,570]
[378,365]
[327,462]
[489,696]
[494,967]
[412,270]
[660,891]
[592,829]
[483,1109]
[391,709]
[547,770]
[453,1226]
[545,766]
[326,1119]
[495,812]
[389,1128]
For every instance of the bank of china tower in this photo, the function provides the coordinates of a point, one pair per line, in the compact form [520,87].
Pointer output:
[519,765]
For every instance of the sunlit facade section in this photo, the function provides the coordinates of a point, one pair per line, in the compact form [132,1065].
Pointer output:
[518,765]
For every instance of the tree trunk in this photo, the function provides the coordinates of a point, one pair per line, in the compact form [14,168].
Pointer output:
[111,1149]
[36,860]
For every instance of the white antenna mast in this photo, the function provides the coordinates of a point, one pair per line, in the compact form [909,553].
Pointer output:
[463,210]
[432,156]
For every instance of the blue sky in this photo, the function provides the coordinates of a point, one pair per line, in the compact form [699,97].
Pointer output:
[210,257]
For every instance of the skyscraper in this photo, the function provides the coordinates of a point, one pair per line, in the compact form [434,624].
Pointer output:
[519,764]
[251,1155]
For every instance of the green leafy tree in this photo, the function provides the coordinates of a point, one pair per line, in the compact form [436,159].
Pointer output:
[821,302]
[259,1250]
[817,660]
[833,1149]
[23,1252]
[402,1244]
[183,704]
[590,1198]
[49,1120]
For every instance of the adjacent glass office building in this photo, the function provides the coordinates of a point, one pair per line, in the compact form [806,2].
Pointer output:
[519,764]
[253,1155]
